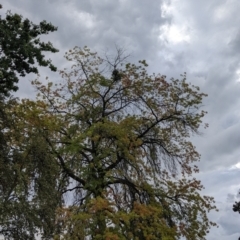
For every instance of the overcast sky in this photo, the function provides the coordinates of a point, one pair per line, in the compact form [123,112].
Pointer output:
[199,37]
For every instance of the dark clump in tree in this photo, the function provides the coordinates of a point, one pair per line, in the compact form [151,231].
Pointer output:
[116,76]
[236,207]
[21,48]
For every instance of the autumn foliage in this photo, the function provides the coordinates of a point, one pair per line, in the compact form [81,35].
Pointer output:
[104,158]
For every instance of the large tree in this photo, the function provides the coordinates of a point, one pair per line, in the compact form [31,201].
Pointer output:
[21,48]
[111,156]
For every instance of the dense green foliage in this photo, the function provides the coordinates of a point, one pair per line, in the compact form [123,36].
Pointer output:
[20,48]
[20,214]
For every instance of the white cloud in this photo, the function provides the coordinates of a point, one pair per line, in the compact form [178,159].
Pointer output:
[224,11]
[238,75]
[174,34]
[235,166]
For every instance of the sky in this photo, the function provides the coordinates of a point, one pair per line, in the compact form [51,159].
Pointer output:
[201,38]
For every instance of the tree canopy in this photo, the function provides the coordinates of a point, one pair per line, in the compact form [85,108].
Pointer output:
[98,158]
[20,48]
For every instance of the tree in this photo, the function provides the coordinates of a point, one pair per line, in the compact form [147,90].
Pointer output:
[20,48]
[115,156]
[23,166]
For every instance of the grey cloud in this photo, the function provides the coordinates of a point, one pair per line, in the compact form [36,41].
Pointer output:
[210,58]
[229,220]
[224,185]
[132,24]
[219,147]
